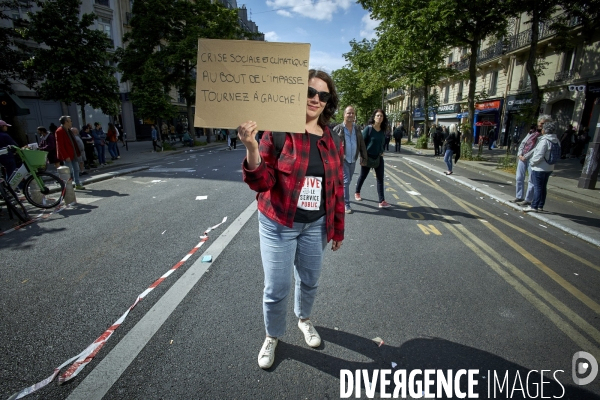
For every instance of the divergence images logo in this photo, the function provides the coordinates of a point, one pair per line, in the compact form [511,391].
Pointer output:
[580,368]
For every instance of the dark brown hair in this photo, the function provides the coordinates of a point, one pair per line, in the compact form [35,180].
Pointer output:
[384,123]
[332,103]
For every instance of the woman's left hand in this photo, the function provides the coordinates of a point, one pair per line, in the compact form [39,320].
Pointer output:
[336,245]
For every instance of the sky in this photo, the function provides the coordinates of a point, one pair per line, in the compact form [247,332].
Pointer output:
[328,25]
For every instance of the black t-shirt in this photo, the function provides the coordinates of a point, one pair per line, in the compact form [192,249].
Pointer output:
[311,203]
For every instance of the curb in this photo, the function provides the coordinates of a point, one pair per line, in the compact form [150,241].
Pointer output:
[553,190]
[499,198]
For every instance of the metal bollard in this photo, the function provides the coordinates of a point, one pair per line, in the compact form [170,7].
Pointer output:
[64,173]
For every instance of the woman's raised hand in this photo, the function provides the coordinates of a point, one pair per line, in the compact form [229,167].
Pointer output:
[247,134]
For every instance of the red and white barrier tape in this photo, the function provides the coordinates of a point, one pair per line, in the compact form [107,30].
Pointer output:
[83,358]
[37,218]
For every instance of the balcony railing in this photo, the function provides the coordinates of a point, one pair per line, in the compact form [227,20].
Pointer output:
[102,2]
[564,76]
[395,93]
[524,38]
[491,52]
[461,65]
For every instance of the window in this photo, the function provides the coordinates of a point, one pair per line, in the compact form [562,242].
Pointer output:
[459,94]
[104,25]
[568,61]
[494,83]
[447,94]
[450,57]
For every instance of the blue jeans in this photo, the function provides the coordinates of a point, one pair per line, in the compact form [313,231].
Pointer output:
[348,172]
[448,159]
[364,172]
[100,151]
[282,250]
[523,166]
[74,168]
[112,149]
[540,184]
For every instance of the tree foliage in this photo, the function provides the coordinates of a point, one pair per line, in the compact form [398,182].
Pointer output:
[59,73]
[161,48]
[10,62]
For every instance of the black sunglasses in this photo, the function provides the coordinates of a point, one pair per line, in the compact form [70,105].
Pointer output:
[323,96]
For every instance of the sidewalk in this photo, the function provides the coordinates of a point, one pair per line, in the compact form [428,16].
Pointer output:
[569,212]
[563,182]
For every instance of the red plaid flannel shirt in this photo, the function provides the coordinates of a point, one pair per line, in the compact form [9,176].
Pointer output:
[279,181]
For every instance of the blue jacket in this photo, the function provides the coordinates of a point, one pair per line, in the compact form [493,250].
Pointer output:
[99,136]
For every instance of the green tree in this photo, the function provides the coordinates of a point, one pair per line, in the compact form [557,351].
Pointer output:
[165,34]
[11,58]
[72,63]
[349,92]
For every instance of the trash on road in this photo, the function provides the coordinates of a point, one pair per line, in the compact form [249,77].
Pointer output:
[156,181]
[201,197]
[576,273]
[163,232]
[543,226]
[412,192]
[378,340]
[207,259]
[394,365]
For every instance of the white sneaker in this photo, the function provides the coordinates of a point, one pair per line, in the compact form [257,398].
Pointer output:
[530,209]
[311,336]
[266,357]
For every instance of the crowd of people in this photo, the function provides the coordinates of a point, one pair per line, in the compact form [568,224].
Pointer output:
[79,149]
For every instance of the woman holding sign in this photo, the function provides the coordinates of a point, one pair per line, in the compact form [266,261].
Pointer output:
[298,177]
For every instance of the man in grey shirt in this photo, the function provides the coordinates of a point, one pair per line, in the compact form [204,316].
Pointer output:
[354,145]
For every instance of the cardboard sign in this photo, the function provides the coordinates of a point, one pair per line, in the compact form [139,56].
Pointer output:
[241,80]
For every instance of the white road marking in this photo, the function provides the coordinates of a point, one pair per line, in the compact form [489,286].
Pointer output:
[108,371]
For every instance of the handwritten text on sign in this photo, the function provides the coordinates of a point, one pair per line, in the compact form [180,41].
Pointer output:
[240,80]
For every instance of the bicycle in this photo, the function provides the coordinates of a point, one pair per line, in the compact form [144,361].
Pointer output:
[41,189]
[14,205]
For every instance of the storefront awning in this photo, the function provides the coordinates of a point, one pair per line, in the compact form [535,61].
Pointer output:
[485,123]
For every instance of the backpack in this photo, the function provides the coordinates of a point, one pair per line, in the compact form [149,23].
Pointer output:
[554,154]
[279,141]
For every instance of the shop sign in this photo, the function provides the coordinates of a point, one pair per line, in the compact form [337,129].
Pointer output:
[420,113]
[488,105]
[514,104]
[448,109]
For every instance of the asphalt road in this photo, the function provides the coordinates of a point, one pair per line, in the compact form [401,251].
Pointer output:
[449,280]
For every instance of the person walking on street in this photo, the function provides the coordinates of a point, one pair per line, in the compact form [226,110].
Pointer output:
[524,153]
[398,135]
[491,137]
[300,210]
[232,138]
[179,130]
[388,138]
[354,146]
[451,144]
[542,166]
[374,138]
[164,132]
[111,137]
[99,142]
[81,147]
[67,150]
[154,135]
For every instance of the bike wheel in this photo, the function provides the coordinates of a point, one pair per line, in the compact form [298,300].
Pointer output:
[48,196]
[13,203]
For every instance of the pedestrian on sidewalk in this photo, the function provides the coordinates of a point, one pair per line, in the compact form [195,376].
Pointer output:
[48,144]
[542,166]
[232,138]
[491,138]
[81,146]
[99,142]
[111,137]
[450,147]
[524,153]
[7,160]
[354,145]
[374,139]
[154,135]
[301,209]
[67,150]
[398,134]
[164,132]
[88,146]
[438,139]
